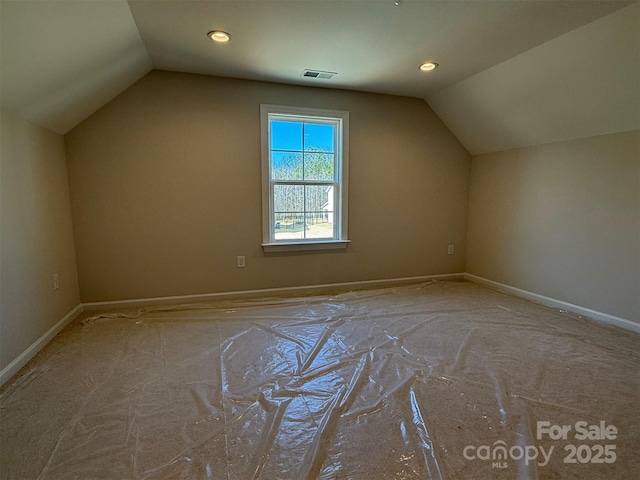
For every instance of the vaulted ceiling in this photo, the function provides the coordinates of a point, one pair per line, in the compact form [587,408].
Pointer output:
[512,73]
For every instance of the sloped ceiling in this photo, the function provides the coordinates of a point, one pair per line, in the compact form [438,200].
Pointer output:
[62,60]
[581,84]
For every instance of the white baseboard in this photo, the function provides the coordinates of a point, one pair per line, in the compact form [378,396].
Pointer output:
[22,359]
[554,303]
[205,297]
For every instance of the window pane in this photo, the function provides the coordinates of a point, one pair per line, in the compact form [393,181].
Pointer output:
[317,197]
[286,135]
[318,137]
[320,211]
[288,199]
[318,166]
[289,226]
[286,166]
[320,225]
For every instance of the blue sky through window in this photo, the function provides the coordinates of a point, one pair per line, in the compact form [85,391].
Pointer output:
[286,136]
[318,136]
[289,136]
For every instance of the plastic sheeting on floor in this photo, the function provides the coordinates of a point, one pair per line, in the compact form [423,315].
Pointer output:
[443,380]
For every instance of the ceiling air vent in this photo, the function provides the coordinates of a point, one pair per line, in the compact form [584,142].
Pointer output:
[318,74]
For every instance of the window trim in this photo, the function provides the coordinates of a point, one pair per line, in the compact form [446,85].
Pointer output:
[341,241]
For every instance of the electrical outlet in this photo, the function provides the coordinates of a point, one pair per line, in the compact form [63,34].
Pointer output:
[451,249]
[56,281]
[240,261]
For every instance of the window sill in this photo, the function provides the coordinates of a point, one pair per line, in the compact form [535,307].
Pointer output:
[302,246]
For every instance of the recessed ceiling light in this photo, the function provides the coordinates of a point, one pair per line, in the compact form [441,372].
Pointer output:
[219,36]
[428,66]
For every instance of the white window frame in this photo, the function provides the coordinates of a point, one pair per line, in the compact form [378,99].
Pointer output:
[341,151]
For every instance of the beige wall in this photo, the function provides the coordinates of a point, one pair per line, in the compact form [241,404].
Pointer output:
[561,220]
[166,190]
[37,235]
